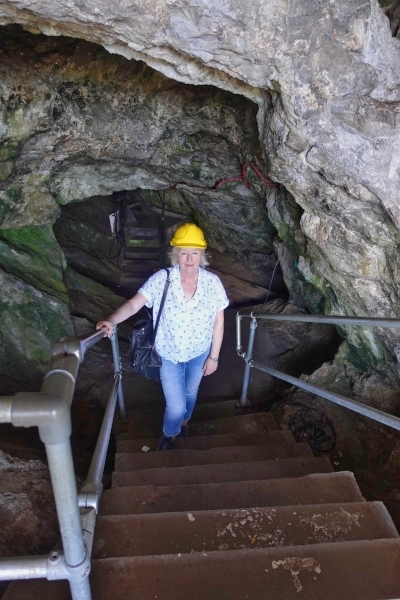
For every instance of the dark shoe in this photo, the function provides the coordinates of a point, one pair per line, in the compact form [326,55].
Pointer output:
[165,443]
[184,432]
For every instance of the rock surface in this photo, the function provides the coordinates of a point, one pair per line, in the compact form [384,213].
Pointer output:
[83,232]
[27,511]
[366,447]
[294,348]
[326,79]
[31,322]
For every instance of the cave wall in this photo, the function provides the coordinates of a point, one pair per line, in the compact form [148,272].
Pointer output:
[78,124]
[325,77]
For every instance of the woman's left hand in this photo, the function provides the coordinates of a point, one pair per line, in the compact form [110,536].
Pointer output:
[210,366]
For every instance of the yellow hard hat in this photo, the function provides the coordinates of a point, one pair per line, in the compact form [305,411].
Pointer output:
[189,236]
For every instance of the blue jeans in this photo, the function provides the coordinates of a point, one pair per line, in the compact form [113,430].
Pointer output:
[180,383]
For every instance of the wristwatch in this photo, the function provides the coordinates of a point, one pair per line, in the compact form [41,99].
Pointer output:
[213,359]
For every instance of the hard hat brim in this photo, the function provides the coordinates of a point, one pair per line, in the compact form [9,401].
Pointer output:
[202,247]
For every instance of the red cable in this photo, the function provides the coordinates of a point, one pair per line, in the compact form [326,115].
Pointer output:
[259,175]
[225,179]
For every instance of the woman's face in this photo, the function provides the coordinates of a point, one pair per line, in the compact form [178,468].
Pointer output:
[189,260]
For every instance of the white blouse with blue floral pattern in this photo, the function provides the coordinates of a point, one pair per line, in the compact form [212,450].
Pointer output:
[186,328]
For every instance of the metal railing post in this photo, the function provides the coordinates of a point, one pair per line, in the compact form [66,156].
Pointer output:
[49,410]
[60,383]
[248,356]
[118,371]
[66,498]
[362,409]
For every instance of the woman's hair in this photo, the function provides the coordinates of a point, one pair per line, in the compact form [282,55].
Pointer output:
[173,255]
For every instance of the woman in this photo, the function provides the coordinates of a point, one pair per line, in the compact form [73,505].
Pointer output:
[191,327]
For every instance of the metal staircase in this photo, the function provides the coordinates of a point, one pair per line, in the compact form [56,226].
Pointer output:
[146,232]
[238,510]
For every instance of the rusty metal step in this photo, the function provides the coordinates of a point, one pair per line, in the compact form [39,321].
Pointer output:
[206,442]
[206,531]
[127,461]
[319,488]
[141,253]
[251,423]
[132,243]
[137,280]
[362,570]
[247,471]
[151,419]
[143,231]
[139,265]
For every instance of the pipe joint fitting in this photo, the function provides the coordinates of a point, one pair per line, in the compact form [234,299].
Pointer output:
[57,568]
[89,500]
[68,346]
[51,415]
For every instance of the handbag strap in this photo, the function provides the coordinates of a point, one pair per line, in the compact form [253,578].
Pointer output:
[168,281]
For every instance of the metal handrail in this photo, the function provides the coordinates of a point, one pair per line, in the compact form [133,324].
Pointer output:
[363,409]
[93,482]
[49,409]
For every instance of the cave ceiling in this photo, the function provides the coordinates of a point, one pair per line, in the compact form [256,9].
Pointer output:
[307,90]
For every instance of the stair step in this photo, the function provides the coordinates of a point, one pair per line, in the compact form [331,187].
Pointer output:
[206,442]
[132,243]
[206,531]
[247,471]
[362,570]
[151,419]
[127,461]
[132,266]
[319,488]
[142,232]
[138,280]
[141,253]
[250,423]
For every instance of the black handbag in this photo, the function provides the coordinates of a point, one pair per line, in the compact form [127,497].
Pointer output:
[143,358]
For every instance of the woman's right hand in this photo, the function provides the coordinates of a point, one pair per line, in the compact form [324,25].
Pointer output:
[107,326]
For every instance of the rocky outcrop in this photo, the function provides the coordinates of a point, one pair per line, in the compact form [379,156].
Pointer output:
[89,123]
[79,122]
[294,348]
[33,255]
[31,321]
[83,232]
[369,449]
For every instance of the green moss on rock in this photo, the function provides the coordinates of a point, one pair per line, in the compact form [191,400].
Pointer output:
[34,255]
[9,150]
[27,203]
[31,322]
[364,351]
[6,168]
